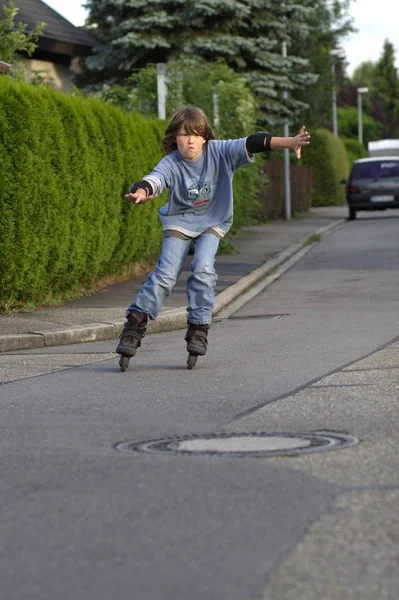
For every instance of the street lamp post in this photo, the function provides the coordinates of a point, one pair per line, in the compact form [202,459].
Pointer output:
[287,178]
[334,100]
[161,90]
[339,53]
[360,91]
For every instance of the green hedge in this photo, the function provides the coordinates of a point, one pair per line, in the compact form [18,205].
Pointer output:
[328,158]
[66,163]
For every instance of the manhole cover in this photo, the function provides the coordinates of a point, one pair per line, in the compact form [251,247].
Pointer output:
[242,444]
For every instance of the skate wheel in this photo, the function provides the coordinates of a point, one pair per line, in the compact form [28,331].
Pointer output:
[191,361]
[124,363]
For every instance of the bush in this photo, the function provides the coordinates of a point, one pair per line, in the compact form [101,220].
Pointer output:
[354,150]
[327,156]
[348,124]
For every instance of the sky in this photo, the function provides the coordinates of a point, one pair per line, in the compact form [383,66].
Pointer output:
[374,20]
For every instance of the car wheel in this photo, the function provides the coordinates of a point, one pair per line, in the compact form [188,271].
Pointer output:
[352,213]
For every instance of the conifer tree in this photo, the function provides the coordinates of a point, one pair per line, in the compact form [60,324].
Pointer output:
[134,33]
[247,34]
[386,86]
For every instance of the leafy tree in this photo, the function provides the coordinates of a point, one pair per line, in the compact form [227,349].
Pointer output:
[348,125]
[347,93]
[14,40]
[329,23]
[364,75]
[382,101]
[372,105]
[236,103]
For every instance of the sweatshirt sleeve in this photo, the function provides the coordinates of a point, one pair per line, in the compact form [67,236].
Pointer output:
[160,177]
[235,152]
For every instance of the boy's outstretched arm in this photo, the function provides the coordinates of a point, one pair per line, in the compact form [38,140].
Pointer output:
[259,142]
[292,143]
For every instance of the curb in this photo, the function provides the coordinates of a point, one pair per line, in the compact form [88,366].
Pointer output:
[168,320]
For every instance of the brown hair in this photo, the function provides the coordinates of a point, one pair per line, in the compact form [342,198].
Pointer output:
[195,122]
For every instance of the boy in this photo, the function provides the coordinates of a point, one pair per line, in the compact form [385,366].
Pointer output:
[198,171]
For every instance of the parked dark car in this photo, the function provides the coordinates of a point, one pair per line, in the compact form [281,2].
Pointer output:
[373,184]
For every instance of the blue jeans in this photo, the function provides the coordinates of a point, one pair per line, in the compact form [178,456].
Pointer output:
[200,283]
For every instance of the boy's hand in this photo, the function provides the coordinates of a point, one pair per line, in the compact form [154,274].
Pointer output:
[302,139]
[139,196]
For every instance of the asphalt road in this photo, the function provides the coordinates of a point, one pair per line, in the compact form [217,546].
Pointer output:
[316,351]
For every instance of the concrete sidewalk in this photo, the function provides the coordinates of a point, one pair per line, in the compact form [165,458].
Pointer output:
[261,251]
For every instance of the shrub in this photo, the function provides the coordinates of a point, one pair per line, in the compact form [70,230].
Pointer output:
[348,124]
[354,150]
[327,156]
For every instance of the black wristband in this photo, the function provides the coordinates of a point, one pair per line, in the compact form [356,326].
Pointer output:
[258,142]
[144,185]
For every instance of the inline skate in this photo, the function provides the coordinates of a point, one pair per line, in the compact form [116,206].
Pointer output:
[197,341]
[132,334]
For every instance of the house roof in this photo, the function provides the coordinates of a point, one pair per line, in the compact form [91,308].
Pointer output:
[57,28]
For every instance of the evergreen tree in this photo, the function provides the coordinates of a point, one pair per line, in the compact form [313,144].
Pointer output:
[386,86]
[134,33]
[247,34]
[364,75]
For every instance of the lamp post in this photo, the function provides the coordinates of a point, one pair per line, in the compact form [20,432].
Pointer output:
[334,101]
[161,90]
[287,179]
[360,91]
[339,52]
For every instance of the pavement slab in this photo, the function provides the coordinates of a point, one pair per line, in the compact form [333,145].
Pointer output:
[17,366]
[351,552]
[360,400]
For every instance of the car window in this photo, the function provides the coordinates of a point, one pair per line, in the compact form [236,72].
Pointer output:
[375,169]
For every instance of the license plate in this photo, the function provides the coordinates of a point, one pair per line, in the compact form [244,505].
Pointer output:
[382,198]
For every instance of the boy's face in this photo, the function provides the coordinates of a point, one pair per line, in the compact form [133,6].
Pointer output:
[189,144]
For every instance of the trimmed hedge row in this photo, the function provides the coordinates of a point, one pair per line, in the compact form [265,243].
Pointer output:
[328,158]
[66,163]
